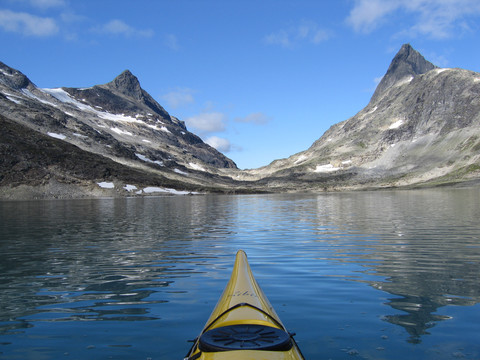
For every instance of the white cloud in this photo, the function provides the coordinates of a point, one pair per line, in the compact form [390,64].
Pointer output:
[171,41]
[27,24]
[42,4]
[368,14]
[179,97]
[305,32]
[439,60]
[281,37]
[221,144]
[45,4]
[434,18]
[207,122]
[70,17]
[119,27]
[254,118]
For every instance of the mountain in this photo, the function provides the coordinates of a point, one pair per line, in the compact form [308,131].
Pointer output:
[117,125]
[407,64]
[421,127]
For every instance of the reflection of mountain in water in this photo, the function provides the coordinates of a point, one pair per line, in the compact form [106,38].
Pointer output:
[427,272]
[419,318]
[108,260]
[426,262]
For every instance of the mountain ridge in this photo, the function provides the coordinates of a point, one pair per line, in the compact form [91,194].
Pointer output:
[124,100]
[119,121]
[421,127]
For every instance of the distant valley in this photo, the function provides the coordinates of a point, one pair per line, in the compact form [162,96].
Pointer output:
[421,128]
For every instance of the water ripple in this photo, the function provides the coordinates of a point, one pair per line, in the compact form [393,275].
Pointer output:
[380,275]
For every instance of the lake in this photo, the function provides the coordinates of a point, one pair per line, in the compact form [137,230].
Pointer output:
[360,275]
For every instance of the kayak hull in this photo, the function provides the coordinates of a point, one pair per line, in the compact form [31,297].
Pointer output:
[243,324]
[250,355]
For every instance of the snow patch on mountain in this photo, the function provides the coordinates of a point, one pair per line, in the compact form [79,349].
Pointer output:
[66,98]
[440,70]
[301,158]
[180,172]
[31,95]
[6,73]
[144,158]
[130,187]
[120,131]
[154,189]
[396,124]
[195,166]
[57,136]
[14,99]
[404,81]
[325,168]
[106,185]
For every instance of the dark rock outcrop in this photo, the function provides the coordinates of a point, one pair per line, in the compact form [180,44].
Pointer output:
[127,84]
[406,64]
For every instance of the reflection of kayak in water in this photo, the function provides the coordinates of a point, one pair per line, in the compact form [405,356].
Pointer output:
[244,325]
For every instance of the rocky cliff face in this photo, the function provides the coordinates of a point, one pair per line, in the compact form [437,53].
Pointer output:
[422,125]
[407,64]
[117,121]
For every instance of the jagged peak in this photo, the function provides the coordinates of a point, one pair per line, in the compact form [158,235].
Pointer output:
[127,84]
[13,78]
[407,63]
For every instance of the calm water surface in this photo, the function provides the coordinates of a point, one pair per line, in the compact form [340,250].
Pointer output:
[374,275]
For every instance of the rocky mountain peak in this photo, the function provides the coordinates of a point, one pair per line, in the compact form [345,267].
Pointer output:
[13,78]
[406,64]
[127,84]
[125,95]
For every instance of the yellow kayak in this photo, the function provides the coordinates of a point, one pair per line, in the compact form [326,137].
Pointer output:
[244,324]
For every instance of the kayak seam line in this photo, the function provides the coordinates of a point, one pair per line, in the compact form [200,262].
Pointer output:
[278,323]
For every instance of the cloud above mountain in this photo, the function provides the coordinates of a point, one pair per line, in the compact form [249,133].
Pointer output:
[119,27]
[179,97]
[257,118]
[436,19]
[27,24]
[207,122]
[221,144]
[304,32]
[33,23]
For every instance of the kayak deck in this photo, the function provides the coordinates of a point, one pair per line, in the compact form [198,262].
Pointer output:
[244,324]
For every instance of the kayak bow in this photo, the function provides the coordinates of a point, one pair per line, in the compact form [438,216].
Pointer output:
[244,324]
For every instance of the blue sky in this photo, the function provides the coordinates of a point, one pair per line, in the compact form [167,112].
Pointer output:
[258,79]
